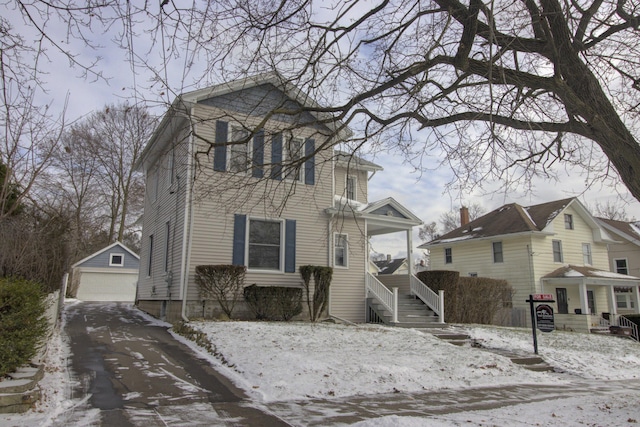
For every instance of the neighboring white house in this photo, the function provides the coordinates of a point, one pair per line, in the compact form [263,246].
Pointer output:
[107,275]
[556,248]
[247,173]
[624,258]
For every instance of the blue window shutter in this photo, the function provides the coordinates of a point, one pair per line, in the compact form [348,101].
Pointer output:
[310,163]
[276,156]
[290,246]
[220,151]
[239,236]
[258,155]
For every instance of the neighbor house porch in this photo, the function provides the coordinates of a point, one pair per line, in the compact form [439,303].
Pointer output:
[586,297]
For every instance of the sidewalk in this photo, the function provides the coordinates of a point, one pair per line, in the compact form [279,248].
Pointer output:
[341,411]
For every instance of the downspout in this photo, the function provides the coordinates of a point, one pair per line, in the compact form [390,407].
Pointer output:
[188,221]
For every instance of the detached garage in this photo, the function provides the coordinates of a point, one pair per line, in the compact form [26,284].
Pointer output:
[108,275]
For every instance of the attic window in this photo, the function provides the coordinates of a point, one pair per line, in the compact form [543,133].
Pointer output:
[116,260]
[568,221]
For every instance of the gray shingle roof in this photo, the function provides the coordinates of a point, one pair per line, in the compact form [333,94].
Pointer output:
[508,219]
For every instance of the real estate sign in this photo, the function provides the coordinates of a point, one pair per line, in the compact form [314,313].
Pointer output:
[544,318]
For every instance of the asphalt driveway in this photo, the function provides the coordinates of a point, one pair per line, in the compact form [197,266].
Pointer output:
[129,371]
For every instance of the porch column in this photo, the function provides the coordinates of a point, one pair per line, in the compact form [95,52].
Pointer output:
[582,290]
[410,251]
[613,306]
[635,298]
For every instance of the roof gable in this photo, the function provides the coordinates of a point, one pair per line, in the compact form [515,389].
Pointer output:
[389,266]
[114,247]
[629,231]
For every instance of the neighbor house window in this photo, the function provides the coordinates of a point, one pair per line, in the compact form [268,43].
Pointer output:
[265,244]
[448,256]
[586,254]
[497,252]
[167,234]
[568,221]
[292,155]
[150,260]
[340,250]
[621,266]
[622,301]
[116,260]
[557,251]
[239,151]
[351,187]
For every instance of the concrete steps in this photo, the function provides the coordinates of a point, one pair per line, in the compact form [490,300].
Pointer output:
[18,392]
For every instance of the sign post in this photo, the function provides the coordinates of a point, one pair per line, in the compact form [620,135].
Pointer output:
[541,316]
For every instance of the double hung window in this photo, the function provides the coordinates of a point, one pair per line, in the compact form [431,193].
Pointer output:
[239,150]
[265,244]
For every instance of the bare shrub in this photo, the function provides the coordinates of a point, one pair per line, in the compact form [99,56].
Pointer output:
[221,283]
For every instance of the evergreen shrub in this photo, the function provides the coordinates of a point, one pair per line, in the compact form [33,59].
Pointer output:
[23,325]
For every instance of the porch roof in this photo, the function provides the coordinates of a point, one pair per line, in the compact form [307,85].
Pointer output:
[573,274]
[382,216]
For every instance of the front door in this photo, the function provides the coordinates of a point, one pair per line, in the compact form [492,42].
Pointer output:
[561,298]
[591,302]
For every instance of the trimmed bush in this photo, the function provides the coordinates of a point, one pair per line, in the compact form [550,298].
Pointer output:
[221,283]
[273,302]
[322,280]
[23,325]
[469,299]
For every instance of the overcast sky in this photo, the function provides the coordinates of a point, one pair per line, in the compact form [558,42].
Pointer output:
[424,194]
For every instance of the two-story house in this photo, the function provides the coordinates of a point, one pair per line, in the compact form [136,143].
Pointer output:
[554,248]
[247,173]
[624,258]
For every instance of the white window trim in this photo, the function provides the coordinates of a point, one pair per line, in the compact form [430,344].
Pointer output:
[553,253]
[151,240]
[280,270]
[170,167]
[615,265]
[231,146]
[570,225]
[355,186]
[445,255]
[111,263]
[285,157]
[589,254]
[346,250]
[493,252]
[167,234]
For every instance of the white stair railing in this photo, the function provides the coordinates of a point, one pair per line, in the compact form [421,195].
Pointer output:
[626,323]
[389,299]
[434,301]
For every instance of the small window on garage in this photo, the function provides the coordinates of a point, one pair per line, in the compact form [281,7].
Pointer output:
[116,260]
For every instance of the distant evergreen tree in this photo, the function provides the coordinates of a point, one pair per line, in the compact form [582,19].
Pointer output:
[9,195]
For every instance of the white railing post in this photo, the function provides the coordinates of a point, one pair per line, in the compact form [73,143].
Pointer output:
[395,305]
[441,298]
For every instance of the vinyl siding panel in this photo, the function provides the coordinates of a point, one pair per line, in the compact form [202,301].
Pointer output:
[169,206]
[347,286]
[628,251]
[221,195]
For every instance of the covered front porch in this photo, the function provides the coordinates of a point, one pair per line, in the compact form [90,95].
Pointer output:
[397,298]
[586,298]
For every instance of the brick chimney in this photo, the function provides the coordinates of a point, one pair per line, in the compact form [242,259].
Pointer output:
[464,216]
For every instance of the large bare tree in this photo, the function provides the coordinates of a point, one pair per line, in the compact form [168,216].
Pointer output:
[500,90]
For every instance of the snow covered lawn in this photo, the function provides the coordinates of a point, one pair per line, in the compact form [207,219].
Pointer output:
[290,361]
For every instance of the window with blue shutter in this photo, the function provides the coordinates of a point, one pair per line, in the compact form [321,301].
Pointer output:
[220,151]
[258,155]
[276,156]
[310,163]
[261,240]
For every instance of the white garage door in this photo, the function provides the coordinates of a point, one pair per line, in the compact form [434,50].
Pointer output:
[107,287]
